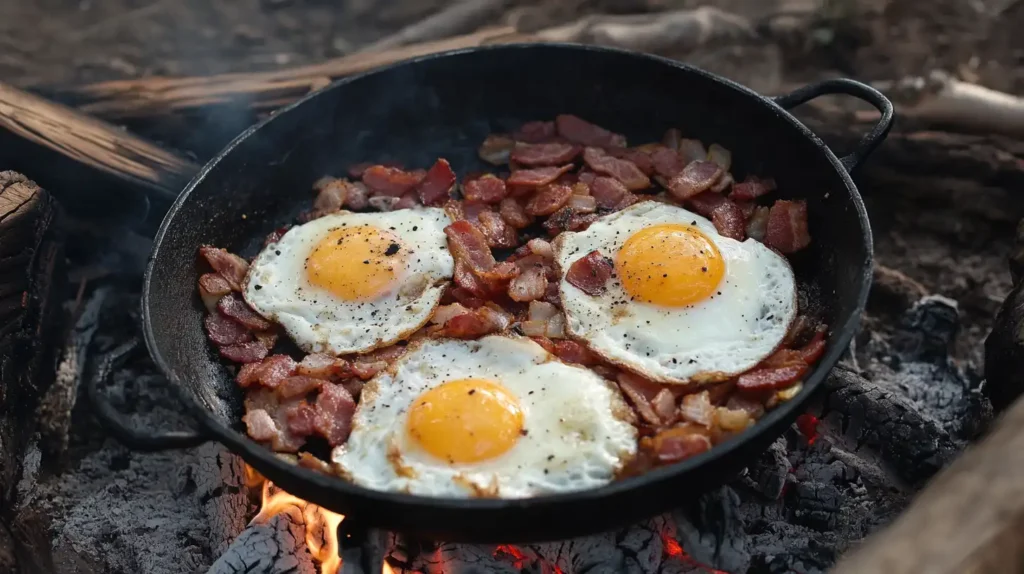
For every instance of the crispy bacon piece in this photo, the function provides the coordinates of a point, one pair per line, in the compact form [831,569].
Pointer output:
[435,186]
[667,162]
[477,323]
[582,204]
[729,221]
[298,386]
[469,282]
[529,285]
[608,191]
[322,366]
[720,155]
[485,189]
[640,392]
[573,352]
[232,305]
[514,214]
[706,203]
[664,405]
[752,188]
[224,331]
[334,410]
[544,154]
[496,148]
[697,408]
[771,378]
[300,419]
[366,370]
[259,425]
[468,244]
[390,181]
[590,273]
[642,159]
[445,312]
[212,286]
[697,177]
[498,233]
[757,225]
[677,443]
[267,338]
[250,352]
[358,197]
[275,235]
[807,355]
[331,197]
[621,169]
[536,177]
[230,266]
[407,201]
[549,199]
[269,372]
[578,130]
[534,132]
[466,298]
[747,208]
[787,226]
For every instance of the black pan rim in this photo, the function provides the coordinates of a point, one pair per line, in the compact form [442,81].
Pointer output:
[839,339]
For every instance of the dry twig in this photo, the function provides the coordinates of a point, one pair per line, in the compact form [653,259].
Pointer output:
[458,18]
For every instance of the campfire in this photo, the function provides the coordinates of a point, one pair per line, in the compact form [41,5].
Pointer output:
[903,404]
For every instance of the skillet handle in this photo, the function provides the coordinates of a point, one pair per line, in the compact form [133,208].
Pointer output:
[858,90]
[115,421]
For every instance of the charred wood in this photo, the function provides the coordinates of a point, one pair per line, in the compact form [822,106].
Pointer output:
[275,547]
[1004,347]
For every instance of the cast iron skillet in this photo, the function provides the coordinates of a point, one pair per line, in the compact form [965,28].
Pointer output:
[443,106]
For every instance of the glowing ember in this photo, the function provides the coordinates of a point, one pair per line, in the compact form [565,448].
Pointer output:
[321,525]
[808,426]
[520,560]
[386,569]
[673,549]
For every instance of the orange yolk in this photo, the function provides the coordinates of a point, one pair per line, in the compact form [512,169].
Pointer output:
[466,420]
[670,264]
[355,263]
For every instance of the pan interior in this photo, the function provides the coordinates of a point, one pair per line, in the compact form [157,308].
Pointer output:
[444,107]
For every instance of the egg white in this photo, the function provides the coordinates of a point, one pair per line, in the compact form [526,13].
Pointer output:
[319,322]
[578,433]
[724,335]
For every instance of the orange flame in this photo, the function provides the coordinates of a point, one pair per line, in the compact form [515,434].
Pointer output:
[321,525]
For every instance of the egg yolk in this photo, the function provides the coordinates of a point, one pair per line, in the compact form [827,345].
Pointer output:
[466,420]
[670,264]
[355,263]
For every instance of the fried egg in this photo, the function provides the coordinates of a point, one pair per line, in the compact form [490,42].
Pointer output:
[495,417]
[352,282]
[684,304]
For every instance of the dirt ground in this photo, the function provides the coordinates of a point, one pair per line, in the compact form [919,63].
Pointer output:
[57,43]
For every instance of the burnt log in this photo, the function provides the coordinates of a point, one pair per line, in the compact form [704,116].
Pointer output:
[1004,347]
[275,547]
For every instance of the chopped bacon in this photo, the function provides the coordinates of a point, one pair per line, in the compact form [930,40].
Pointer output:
[533,132]
[477,323]
[514,214]
[608,191]
[465,297]
[538,176]
[267,338]
[445,312]
[752,188]
[529,285]
[354,387]
[368,369]
[582,204]
[389,353]
[621,169]
[212,286]
[538,246]
[705,203]
[544,154]
[468,244]
[250,352]
[300,419]
[334,410]
[640,392]
[729,221]
[230,266]
[549,199]
[552,295]
[697,177]
[664,405]
[667,162]
[275,235]
[580,221]
[322,366]
[640,158]
[434,188]
[723,183]
[286,431]
[720,155]
[590,273]
[248,375]
[259,425]
[771,378]
[271,371]
[298,385]
[757,225]
[787,226]
[358,197]
[496,148]
[224,331]
[747,208]
[469,282]
[390,181]
[407,201]
[578,130]
[807,355]
[541,311]
[232,305]
[678,443]
[573,352]
[543,341]
[485,189]
[331,197]
[498,233]
[692,150]
[697,408]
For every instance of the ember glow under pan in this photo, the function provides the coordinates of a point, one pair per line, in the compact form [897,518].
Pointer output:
[443,106]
